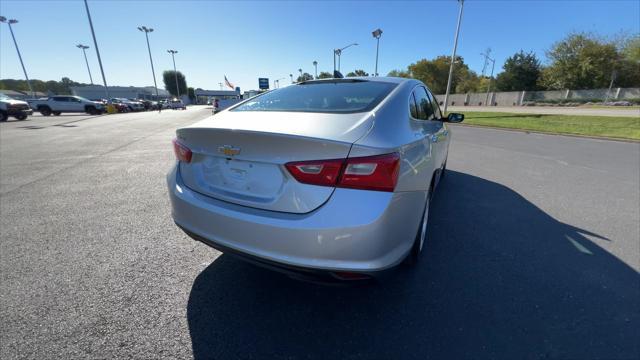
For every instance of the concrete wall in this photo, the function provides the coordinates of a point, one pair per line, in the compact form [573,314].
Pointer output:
[516,98]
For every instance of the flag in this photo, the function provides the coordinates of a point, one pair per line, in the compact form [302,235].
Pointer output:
[226,81]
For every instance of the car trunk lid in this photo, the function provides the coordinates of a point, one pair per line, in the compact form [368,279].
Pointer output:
[239,157]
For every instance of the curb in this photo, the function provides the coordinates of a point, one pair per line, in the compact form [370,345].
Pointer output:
[593,137]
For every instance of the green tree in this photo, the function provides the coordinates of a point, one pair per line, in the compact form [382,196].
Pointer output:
[580,61]
[324,75]
[398,73]
[521,72]
[169,79]
[304,77]
[192,94]
[358,72]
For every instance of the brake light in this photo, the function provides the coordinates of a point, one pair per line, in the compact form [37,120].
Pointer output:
[322,172]
[379,173]
[183,153]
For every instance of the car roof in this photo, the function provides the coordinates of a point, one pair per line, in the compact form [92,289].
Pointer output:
[387,79]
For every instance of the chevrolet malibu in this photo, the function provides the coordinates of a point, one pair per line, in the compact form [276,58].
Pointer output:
[328,178]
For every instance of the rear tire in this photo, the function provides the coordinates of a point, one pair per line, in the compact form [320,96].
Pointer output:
[21,117]
[3,116]
[421,236]
[45,111]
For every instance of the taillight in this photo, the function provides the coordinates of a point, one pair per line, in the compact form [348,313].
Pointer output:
[322,172]
[371,173]
[183,153]
[378,173]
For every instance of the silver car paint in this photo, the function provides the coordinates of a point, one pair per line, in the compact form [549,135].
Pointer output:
[368,230]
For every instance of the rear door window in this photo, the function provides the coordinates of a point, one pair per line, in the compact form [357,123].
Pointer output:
[425,112]
[413,110]
[434,105]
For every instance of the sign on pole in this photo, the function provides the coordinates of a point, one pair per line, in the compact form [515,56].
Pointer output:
[263,83]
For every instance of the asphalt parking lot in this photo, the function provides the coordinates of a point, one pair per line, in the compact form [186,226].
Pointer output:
[534,252]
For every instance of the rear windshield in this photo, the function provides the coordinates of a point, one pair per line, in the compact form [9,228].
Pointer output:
[322,96]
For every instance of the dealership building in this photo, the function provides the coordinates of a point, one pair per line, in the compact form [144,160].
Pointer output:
[95,92]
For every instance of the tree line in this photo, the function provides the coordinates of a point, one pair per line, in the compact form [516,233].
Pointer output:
[63,87]
[579,61]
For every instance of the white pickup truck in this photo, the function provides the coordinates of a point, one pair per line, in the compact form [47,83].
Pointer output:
[66,103]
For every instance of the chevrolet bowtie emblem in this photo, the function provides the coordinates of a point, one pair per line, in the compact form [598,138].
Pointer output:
[229,150]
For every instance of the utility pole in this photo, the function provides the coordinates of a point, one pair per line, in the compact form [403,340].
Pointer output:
[175,72]
[493,64]
[453,56]
[486,55]
[220,85]
[10,22]
[146,32]
[95,43]
[84,51]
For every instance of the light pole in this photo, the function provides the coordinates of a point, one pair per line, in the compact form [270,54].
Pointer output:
[453,56]
[338,52]
[146,32]
[315,65]
[301,78]
[220,85]
[84,51]
[376,34]
[291,76]
[95,44]
[175,72]
[278,82]
[10,22]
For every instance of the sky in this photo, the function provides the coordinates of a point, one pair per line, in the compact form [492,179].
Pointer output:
[248,40]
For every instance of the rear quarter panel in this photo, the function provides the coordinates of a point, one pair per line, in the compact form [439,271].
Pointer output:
[394,131]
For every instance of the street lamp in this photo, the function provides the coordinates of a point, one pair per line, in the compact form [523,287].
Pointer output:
[301,78]
[338,52]
[146,32]
[278,82]
[10,22]
[315,65]
[175,72]
[95,44]
[291,76]
[84,51]
[453,56]
[376,34]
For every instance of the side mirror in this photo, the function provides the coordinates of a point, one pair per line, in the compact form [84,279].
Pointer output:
[454,118]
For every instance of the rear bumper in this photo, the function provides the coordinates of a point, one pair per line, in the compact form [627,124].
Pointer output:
[355,231]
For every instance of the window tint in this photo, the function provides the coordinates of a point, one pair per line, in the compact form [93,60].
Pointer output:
[321,96]
[425,112]
[412,107]
[61,98]
[434,105]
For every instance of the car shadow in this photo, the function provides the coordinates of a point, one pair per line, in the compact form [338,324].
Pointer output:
[500,279]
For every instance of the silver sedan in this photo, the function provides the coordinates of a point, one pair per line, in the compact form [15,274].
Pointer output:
[321,178]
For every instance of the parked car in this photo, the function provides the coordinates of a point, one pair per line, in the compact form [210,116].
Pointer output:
[177,104]
[326,178]
[66,103]
[11,107]
[120,107]
[133,105]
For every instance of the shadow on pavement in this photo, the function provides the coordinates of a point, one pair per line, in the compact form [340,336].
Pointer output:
[500,279]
